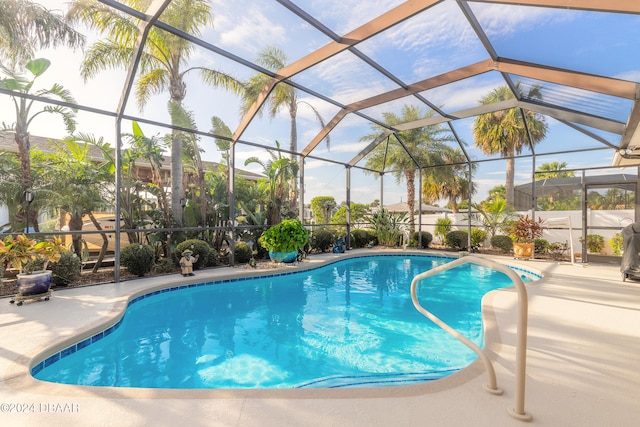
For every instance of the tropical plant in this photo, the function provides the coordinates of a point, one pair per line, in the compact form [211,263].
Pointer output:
[553,170]
[283,96]
[526,229]
[322,208]
[617,244]
[478,236]
[161,65]
[443,226]
[557,249]
[449,182]
[388,227]
[505,132]
[595,243]
[540,246]
[17,252]
[80,185]
[287,236]
[426,145]
[495,215]
[278,171]
[17,82]
[26,26]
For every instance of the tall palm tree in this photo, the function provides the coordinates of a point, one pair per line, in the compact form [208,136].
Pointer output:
[282,96]
[449,182]
[26,26]
[162,65]
[24,115]
[426,145]
[504,132]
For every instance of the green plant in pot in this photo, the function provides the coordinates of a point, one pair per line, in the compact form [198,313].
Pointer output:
[284,240]
[22,254]
[524,231]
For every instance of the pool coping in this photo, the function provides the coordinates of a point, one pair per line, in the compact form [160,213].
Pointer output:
[19,374]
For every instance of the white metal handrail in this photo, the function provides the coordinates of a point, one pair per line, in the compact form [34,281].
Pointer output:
[521,345]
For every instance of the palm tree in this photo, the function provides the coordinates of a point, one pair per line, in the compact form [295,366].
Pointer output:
[495,215]
[553,170]
[21,84]
[80,184]
[162,62]
[504,132]
[282,96]
[448,182]
[26,26]
[426,145]
[278,171]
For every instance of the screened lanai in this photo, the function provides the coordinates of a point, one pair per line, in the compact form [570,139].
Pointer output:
[339,87]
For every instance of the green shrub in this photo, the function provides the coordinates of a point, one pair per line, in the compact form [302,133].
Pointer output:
[457,239]
[290,235]
[361,238]
[242,252]
[67,269]
[617,244]
[426,239]
[200,248]
[164,266]
[137,259]
[595,243]
[322,240]
[504,243]
[478,236]
[540,246]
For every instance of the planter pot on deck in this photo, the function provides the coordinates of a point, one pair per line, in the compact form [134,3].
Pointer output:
[287,257]
[34,283]
[523,250]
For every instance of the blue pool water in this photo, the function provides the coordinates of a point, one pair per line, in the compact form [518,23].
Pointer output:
[347,324]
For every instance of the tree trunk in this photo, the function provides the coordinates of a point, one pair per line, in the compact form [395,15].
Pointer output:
[510,178]
[410,176]
[105,243]
[293,146]
[176,177]
[75,224]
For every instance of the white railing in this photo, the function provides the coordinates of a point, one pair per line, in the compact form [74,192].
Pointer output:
[521,346]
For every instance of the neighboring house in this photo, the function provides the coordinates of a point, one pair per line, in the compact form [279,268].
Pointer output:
[7,143]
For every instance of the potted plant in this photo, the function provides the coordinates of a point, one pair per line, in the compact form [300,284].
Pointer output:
[20,253]
[284,240]
[524,231]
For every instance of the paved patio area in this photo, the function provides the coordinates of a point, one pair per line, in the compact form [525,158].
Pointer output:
[583,365]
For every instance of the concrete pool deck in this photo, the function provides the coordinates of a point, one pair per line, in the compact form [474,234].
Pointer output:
[583,364]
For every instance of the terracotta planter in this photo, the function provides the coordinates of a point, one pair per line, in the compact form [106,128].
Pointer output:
[523,250]
[34,283]
[287,257]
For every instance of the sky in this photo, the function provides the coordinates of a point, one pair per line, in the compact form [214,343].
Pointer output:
[433,42]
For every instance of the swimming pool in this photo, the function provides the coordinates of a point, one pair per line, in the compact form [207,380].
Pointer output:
[347,324]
